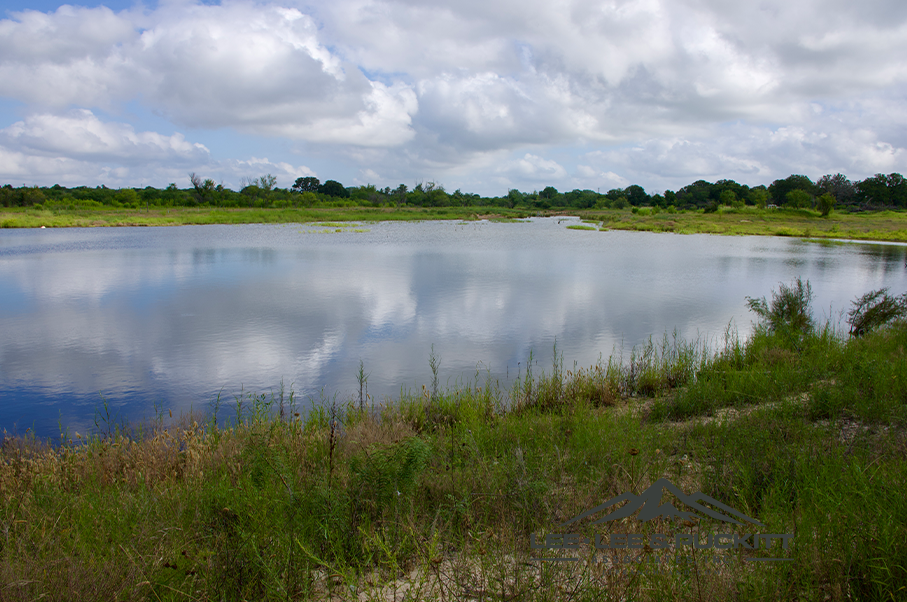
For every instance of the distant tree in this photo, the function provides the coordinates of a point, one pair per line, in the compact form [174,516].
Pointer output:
[799,199]
[838,186]
[514,196]
[696,194]
[727,197]
[333,188]
[306,184]
[204,190]
[550,193]
[759,197]
[435,195]
[636,195]
[267,183]
[128,197]
[825,203]
[883,190]
[620,202]
[779,188]
[400,194]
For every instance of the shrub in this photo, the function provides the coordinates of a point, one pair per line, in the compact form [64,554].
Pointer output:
[875,309]
[789,311]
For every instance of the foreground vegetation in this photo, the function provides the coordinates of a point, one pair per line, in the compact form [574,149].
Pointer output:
[435,496]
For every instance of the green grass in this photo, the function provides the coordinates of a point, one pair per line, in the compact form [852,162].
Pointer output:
[581,227]
[800,223]
[438,492]
[175,216]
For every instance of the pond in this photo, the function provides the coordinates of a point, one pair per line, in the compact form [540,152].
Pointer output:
[149,320]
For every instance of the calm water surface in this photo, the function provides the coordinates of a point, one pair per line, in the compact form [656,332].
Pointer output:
[167,318]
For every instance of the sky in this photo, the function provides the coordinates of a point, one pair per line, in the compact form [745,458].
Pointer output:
[478,95]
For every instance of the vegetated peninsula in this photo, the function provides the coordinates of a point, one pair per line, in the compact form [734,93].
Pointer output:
[832,207]
[765,469]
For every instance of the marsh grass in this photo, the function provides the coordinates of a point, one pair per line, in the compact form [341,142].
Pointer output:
[434,496]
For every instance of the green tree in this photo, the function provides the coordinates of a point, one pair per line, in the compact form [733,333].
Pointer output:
[400,194]
[727,197]
[696,194]
[306,184]
[780,188]
[620,202]
[838,186]
[799,199]
[825,203]
[514,196]
[333,188]
[550,193]
[636,195]
[128,197]
[759,197]
[267,183]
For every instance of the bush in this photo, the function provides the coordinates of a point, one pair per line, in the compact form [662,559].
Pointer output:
[875,309]
[789,311]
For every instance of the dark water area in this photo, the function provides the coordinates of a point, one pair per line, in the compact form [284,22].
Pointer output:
[165,319]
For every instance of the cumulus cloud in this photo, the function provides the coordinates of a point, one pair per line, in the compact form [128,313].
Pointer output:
[80,135]
[257,68]
[69,148]
[654,89]
[535,168]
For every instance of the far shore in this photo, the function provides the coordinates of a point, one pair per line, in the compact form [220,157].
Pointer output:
[890,226]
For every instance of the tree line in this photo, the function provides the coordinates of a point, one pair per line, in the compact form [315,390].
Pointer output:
[796,191]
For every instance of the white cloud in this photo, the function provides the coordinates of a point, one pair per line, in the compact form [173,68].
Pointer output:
[80,135]
[70,148]
[257,68]
[664,90]
[535,168]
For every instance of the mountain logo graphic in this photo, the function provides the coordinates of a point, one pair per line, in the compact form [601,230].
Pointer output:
[649,505]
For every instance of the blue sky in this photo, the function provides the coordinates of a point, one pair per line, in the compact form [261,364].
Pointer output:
[481,96]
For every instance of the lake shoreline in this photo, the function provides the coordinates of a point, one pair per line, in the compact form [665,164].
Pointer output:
[888,226]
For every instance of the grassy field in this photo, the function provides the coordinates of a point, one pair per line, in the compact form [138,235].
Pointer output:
[803,223]
[441,494]
[179,216]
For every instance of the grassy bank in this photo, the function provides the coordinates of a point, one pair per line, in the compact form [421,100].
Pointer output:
[436,496]
[804,223]
[180,216]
